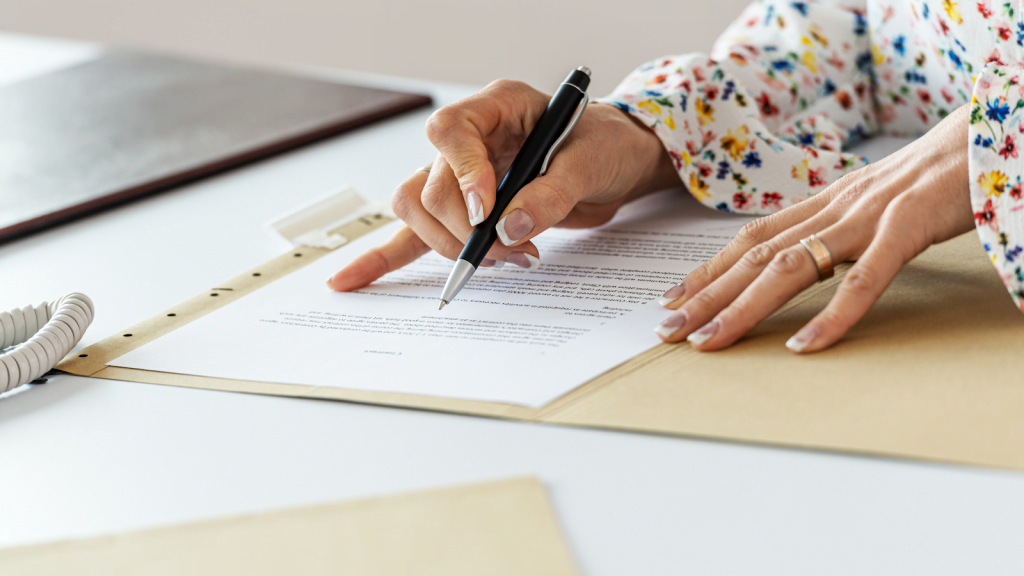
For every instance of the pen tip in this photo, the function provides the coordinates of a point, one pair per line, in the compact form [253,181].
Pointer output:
[442,305]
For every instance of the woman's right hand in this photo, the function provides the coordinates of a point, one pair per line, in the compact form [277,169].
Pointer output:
[608,160]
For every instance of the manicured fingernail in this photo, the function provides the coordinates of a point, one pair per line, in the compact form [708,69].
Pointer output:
[524,260]
[671,324]
[488,262]
[672,293]
[705,333]
[499,263]
[476,208]
[514,226]
[802,339]
[329,287]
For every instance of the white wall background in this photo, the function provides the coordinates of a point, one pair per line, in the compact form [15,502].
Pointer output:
[462,41]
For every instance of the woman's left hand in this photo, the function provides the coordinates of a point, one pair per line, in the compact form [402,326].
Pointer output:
[881,216]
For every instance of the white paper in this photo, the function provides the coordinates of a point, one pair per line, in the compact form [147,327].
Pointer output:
[512,335]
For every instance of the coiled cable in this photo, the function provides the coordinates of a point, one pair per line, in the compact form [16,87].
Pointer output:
[34,340]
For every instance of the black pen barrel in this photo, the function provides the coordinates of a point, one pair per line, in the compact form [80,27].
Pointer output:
[528,162]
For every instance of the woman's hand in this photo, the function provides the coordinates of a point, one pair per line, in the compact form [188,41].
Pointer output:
[608,160]
[881,216]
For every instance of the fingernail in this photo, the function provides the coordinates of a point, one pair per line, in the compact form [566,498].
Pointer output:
[672,293]
[671,324]
[329,287]
[524,260]
[514,226]
[488,262]
[705,333]
[499,263]
[802,339]
[476,208]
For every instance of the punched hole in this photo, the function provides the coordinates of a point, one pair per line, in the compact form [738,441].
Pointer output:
[255,273]
[127,335]
[214,294]
[83,355]
[172,314]
[297,254]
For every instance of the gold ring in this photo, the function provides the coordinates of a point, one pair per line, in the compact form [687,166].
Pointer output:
[820,254]
[425,168]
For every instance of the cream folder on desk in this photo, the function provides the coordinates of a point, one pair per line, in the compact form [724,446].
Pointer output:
[516,336]
[932,372]
[503,528]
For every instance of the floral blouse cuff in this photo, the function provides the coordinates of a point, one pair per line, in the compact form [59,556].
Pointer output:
[725,155]
[995,168]
[760,124]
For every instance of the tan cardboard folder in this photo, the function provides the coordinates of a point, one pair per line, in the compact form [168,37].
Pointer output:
[934,371]
[501,528]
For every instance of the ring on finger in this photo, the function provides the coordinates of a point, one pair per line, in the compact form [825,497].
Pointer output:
[821,256]
[425,168]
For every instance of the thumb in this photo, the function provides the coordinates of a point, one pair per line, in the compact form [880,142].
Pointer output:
[540,205]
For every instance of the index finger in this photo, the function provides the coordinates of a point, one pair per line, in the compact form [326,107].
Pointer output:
[402,249]
[754,233]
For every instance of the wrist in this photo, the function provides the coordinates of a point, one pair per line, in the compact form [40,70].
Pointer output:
[652,167]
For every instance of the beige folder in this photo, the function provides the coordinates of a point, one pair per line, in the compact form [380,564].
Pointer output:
[503,528]
[934,371]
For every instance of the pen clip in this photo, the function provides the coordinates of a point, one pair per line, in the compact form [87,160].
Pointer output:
[572,124]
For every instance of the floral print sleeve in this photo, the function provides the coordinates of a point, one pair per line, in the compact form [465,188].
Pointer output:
[760,124]
[995,166]
[931,56]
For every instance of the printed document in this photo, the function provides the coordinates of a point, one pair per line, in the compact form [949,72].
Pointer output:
[512,335]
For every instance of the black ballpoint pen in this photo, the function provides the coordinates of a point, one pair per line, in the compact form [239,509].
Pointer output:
[561,115]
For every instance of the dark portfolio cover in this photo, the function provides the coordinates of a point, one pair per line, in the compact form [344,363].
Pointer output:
[131,123]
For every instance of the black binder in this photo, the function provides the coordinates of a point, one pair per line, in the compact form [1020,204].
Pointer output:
[132,123]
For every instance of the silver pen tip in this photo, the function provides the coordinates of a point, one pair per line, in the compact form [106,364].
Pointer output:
[584,69]
[442,305]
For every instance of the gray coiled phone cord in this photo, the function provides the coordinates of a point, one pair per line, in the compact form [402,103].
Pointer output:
[41,337]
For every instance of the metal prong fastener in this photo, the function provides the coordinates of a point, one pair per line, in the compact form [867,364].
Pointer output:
[584,69]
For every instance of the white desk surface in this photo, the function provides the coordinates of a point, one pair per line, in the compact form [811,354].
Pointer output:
[82,457]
